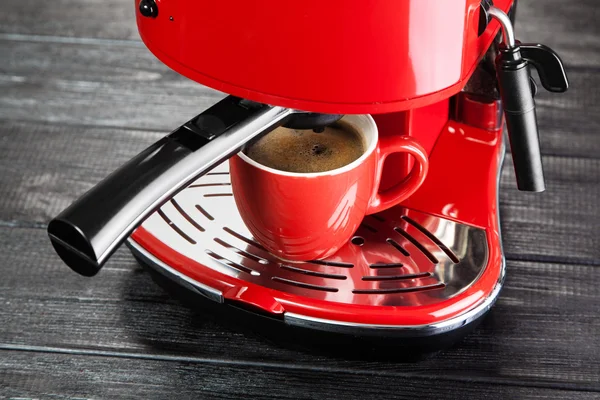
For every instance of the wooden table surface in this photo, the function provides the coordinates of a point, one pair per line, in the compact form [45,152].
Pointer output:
[80,95]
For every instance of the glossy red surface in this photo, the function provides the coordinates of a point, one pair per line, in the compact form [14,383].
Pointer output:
[465,189]
[384,199]
[405,57]
[301,217]
[480,113]
[335,56]
[460,152]
[298,218]
[423,124]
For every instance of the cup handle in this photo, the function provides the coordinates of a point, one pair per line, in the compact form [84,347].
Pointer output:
[402,190]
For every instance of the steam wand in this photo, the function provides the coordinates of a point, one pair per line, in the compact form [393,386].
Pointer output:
[517,91]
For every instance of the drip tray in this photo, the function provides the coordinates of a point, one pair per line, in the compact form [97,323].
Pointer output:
[400,257]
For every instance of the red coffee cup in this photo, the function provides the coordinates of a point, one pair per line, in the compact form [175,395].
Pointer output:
[309,216]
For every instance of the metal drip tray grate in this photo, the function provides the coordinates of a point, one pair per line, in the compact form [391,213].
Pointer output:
[399,257]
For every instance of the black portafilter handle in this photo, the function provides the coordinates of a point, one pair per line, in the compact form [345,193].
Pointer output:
[87,233]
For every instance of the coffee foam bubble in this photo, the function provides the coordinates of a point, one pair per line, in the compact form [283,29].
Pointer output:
[306,151]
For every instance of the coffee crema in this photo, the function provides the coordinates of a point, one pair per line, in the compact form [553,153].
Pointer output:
[306,151]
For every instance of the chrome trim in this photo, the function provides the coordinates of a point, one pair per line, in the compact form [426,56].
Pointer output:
[506,24]
[352,328]
[326,324]
[164,187]
[162,268]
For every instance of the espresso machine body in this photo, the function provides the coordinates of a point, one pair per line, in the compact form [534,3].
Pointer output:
[420,274]
[334,57]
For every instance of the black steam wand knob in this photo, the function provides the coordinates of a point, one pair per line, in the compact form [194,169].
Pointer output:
[517,94]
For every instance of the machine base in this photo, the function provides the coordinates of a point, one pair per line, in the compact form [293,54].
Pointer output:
[307,340]
[424,272]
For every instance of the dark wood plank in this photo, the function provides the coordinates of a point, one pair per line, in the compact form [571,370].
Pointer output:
[561,224]
[542,332]
[111,19]
[569,27]
[46,166]
[538,21]
[121,86]
[86,376]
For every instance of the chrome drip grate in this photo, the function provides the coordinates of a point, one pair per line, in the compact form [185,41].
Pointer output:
[400,257]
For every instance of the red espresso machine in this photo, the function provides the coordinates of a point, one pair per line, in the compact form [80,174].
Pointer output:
[447,73]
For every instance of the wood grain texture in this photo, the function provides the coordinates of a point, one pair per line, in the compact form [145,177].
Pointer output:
[561,224]
[81,376]
[80,95]
[543,330]
[570,27]
[112,19]
[103,85]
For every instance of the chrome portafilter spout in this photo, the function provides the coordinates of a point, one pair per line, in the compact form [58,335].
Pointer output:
[88,232]
[517,90]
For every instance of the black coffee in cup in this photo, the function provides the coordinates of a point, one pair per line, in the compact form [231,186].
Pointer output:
[306,151]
